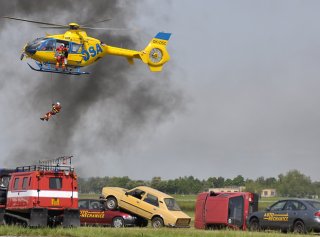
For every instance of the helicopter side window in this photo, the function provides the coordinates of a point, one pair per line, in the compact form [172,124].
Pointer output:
[66,44]
[75,48]
[47,45]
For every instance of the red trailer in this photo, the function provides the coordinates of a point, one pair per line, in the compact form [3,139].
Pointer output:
[225,209]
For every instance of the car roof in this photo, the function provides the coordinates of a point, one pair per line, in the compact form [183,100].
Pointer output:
[154,192]
[299,199]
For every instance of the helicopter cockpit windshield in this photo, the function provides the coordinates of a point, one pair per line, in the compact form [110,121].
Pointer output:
[33,45]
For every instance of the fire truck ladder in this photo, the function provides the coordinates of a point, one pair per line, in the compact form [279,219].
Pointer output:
[63,163]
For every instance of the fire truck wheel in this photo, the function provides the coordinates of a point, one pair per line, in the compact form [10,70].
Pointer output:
[118,222]
[112,203]
[157,222]
[254,224]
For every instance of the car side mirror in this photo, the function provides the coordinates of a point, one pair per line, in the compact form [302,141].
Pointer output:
[126,193]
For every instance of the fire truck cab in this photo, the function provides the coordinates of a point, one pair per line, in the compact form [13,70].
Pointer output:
[41,195]
[225,209]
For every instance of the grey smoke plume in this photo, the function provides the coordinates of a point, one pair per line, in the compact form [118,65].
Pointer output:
[106,111]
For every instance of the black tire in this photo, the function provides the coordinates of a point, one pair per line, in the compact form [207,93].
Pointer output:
[118,222]
[254,224]
[299,227]
[141,222]
[112,203]
[157,222]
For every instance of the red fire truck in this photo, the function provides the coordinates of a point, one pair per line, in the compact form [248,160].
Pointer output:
[224,209]
[45,194]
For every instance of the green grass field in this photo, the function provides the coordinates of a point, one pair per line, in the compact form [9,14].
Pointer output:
[130,232]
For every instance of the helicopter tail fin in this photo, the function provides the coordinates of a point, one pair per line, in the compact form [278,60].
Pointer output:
[156,54]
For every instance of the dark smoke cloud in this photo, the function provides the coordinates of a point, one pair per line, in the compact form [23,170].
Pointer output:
[117,100]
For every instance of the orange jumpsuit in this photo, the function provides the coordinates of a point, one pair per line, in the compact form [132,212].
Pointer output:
[55,109]
[61,56]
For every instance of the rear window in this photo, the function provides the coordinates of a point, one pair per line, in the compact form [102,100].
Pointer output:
[315,204]
[55,183]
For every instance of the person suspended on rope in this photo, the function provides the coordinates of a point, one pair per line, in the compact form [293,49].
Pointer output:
[56,107]
[61,54]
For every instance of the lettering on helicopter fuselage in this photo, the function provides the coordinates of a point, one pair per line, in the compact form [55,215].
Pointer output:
[91,52]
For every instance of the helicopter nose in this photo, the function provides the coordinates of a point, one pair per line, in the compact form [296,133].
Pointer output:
[30,50]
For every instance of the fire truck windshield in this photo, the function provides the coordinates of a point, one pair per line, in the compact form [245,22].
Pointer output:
[172,205]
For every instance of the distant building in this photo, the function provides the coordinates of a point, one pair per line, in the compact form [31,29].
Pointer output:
[270,192]
[227,189]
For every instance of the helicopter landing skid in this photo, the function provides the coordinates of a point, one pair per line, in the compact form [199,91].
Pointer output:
[48,68]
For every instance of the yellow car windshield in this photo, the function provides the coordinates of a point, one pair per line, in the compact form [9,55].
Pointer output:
[172,205]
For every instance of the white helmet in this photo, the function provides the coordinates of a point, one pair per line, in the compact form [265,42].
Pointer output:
[58,103]
[62,44]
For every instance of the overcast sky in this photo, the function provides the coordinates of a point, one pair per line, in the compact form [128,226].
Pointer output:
[240,95]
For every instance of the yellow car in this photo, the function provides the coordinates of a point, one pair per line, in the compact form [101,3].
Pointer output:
[147,203]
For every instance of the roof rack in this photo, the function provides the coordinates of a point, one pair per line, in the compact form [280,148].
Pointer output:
[58,164]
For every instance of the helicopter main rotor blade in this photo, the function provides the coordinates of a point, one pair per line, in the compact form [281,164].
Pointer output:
[93,23]
[31,21]
[55,27]
[102,28]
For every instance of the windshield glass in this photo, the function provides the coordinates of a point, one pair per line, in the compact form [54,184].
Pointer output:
[315,204]
[35,43]
[172,205]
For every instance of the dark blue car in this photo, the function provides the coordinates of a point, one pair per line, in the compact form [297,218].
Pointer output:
[297,215]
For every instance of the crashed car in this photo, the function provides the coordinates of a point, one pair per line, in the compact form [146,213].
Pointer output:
[93,212]
[147,203]
[296,215]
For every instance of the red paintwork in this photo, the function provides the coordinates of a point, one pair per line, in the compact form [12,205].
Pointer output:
[24,198]
[213,209]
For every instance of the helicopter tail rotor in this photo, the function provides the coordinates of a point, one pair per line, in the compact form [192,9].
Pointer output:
[156,54]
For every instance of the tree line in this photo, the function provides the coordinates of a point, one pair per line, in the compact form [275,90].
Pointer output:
[291,184]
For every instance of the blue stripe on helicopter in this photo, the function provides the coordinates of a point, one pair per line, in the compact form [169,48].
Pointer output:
[163,36]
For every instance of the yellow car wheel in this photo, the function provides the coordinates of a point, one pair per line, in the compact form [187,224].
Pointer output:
[157,222]
[111,203]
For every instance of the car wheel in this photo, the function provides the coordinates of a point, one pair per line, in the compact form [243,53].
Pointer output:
[111,203]
[254,224]
[299,227]
[157,222]
[118,222]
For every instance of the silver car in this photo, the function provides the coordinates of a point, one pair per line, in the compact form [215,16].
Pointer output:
[297,215]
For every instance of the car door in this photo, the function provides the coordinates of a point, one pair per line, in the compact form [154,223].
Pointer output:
[273,215]
[96,213]
[131,200]
[84,212]
[295,209]
[148,206]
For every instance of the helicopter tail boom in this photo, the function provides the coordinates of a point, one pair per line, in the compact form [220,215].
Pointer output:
[156,54]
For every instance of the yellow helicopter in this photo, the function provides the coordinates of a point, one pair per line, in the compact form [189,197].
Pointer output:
[83,50]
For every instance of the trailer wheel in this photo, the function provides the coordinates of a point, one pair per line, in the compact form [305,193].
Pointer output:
[299,227]
[157,222]
[118,222]
[254,224]
[112,203]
